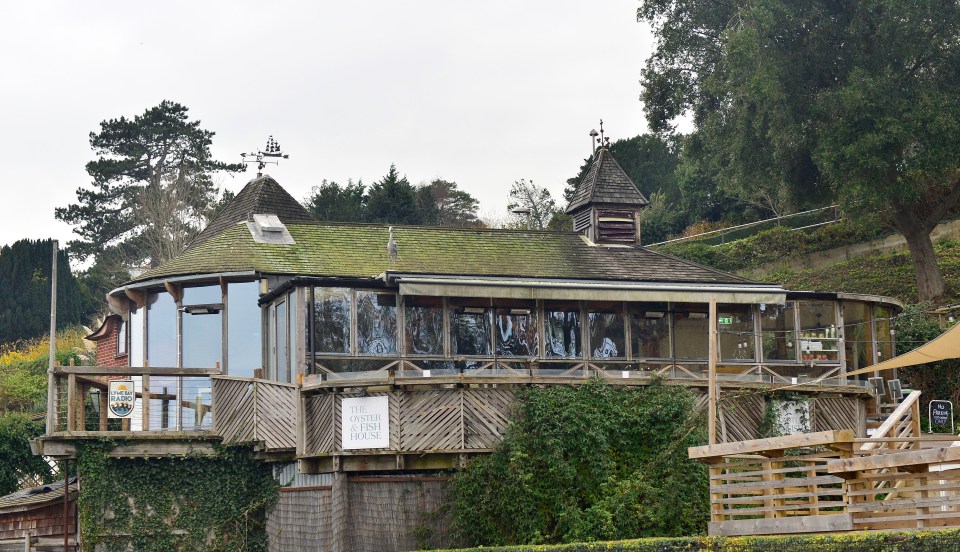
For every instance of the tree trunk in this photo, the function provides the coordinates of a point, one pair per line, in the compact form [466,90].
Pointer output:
[930,285]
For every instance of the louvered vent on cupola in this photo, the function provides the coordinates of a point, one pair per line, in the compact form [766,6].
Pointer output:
[606,204]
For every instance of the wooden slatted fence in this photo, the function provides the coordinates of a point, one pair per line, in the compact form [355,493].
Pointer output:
[255,411]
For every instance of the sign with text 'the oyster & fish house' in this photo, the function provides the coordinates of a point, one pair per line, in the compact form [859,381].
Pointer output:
[365,423]
[120,399]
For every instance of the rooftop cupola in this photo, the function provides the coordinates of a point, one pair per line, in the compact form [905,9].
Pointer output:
[606,204]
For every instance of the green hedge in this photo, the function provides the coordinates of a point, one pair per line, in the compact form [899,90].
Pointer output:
[914,541]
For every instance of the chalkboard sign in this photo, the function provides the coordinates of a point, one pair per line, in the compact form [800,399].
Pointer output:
[941,414]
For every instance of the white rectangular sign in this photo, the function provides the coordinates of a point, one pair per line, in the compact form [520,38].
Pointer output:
[365,423]
[121,397]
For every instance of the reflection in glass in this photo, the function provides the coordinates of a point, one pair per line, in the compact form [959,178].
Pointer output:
[884,337]
[777,325]
[122,338]
[562,329]
[331,326]
[283,366]
[736,332]
[243,327]
[516,332]
[202,336]
[690,335]
[607,333]
[137,345]
[195,413]
[376,323]
[292,337]
[470,331]
[857,336]
[423,325]
[161,331]
[204,295]
[650,330]
[163,403]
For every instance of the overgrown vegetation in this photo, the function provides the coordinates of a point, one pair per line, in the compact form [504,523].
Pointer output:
[913,541]
[192,503]
[588,463]
[774,245]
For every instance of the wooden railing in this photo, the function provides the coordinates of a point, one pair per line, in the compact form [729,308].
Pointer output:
[168,399]
[829,481]
[255,411]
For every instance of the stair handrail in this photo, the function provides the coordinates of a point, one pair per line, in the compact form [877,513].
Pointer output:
[908,403]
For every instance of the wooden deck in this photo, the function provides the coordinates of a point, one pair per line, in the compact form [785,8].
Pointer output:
[831,481]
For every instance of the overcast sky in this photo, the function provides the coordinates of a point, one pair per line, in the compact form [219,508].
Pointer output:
[481,93]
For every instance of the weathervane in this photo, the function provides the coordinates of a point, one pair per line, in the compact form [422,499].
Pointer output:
[260,157]
[598,138]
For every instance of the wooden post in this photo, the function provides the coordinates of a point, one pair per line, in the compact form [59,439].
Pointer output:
[712,376]
[915,424]
[103,398]
[145,402]
[71,402]
[28,541]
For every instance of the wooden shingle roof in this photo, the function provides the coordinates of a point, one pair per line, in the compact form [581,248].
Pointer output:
[606,183]
[262,195]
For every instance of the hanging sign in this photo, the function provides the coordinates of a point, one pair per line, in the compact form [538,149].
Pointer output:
[365,423]
[120,399]
[941,414]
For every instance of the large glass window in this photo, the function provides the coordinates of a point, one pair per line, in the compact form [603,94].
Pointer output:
[778,326]
[736,333]
[202,327]
[562,328]
[857,335]
[161,331]
[376,323]
[470,322]
[607,332]
[516,327]
[691,339]
[244,323]
[283,344]
[331,315]
[650,330]
[884,337]
[423,325]
[818,331]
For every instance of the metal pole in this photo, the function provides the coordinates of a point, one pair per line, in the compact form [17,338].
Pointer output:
[51,390]
[712,376]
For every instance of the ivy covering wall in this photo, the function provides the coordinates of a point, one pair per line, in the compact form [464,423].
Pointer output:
[189,503]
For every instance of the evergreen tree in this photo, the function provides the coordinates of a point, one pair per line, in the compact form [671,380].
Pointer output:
[330,201]
[393,200]
[25,291]
[442,203]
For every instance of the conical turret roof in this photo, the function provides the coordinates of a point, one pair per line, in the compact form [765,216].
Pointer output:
[606,183]
[262,195]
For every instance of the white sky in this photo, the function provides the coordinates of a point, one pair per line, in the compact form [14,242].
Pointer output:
[481,93]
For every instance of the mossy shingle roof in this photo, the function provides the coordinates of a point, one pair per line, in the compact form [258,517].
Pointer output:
[346,250]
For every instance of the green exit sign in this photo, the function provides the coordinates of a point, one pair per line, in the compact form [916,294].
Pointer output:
[726,320]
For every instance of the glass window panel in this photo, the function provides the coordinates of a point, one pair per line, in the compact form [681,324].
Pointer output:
[163,403]
[562,328]
[244,323]
[690,336]
[650,330]
[818,331]
[331,315]
[470,324]
[607,333]
[202,340]
[161,331]
[122,338]
[884,339]
[195,413]
[857,335]
[137,345]
[292,337]
[376,323]
[203,295]
[283,367]
[517,331]
[737,336]
[271,342]
[423,325]
[779,334]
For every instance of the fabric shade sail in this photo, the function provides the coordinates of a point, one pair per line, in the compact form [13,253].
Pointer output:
[944,347]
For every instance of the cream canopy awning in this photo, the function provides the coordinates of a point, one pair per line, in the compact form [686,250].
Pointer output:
[944,347]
